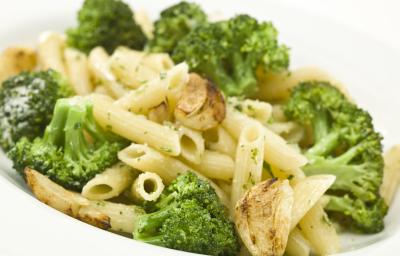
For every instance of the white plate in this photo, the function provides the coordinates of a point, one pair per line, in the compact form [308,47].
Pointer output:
[368,68]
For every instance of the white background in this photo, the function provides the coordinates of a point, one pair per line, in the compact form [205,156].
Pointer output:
[378,19]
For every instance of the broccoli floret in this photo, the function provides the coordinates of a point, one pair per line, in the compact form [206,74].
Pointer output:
[229,52]
[346,145]
[189,217]
[175,22]
[74,147]
[26,104]
[106,23]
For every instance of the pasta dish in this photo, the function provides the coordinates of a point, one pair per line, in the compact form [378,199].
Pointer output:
[192,133]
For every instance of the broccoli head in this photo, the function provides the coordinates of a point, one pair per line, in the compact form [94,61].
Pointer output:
[189,217]
[106,23]
[229,52]
[346,145]
[26,104]
[74,147]
[175,22]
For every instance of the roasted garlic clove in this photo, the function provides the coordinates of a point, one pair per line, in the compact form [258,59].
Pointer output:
[263,217]
[201,105]
[14,60]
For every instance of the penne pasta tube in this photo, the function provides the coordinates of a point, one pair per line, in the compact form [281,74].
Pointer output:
[51,52]
[297,245]
[192,145]
[391,174]
[319,231]
[218,139]
[142,18]
[276,151]
[110,183]
[78,71]
[259,110]
[306,193]
[100,70]
[249,161]
[178,78]
[215,165]
[134,127]
[152,93]
[148,186]
[146,159]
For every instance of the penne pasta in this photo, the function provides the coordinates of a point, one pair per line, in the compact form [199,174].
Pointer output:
[150,94]
[192,145]
[178,78]
[146,159]
[142,18]
[101,72]
[259,110]
[218,139]
[306,193]
[110,183]
[276,86]
[215,165]
[249,161]
[319,231]
[391,174]
[77,69]
[51,52]
[297,245]
[134,127]
[148,186]
[276,151]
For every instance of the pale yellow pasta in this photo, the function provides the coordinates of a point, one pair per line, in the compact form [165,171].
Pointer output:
[319,231]
[192,145]
[158,61]
[142,18]
[147,96]
[297,245]
[146,159]
[249,160]
[51,52]
[225,186]
[215,165]
[134,127]
[391,174]
[178,78]
[276,86]
[148,186]
[306,194]
[276,150]
[101,89]
[152,93]
[135,68]
[77,69]
[259,110]
[100,69]
[110,183]
[218,139]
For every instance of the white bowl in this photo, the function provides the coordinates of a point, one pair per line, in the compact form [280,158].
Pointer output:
[368,68]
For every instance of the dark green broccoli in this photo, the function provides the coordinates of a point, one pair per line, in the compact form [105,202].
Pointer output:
[106,23]
[26,104]
[189,217]
[346,145]
[74,147]
[229,52]
[175,22]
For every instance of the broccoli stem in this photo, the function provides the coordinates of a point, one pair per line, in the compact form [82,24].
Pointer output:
[324,146]
[320,126]
[76,146]
[54,133]
[148,224]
